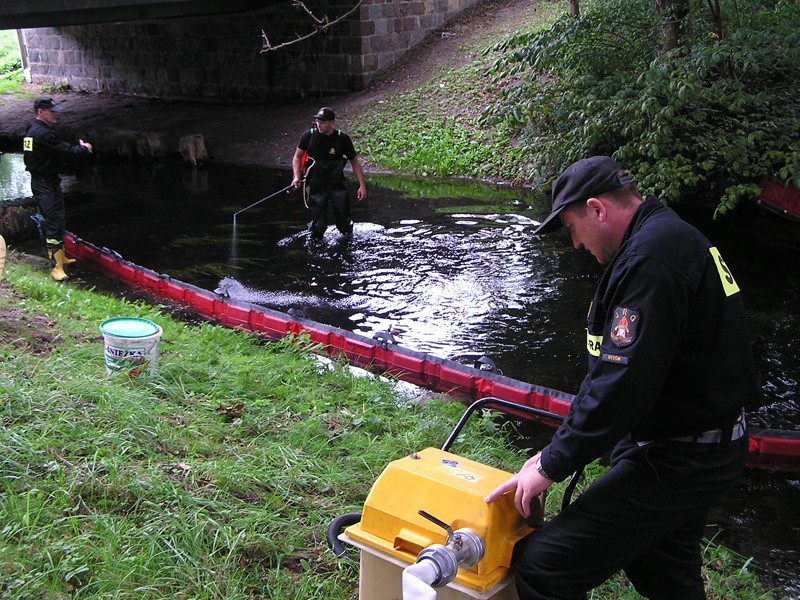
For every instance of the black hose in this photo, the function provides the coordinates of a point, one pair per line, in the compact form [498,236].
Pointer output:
[336,527]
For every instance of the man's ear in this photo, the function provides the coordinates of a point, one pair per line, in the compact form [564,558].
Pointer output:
[597,208]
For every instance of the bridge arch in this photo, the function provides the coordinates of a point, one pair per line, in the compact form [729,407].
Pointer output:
[218,56]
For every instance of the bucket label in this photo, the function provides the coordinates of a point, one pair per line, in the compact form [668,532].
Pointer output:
[133,359]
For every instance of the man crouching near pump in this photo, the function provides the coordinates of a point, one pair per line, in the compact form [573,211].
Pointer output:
[670,370]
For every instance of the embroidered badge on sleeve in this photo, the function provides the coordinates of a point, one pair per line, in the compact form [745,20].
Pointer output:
[623,327]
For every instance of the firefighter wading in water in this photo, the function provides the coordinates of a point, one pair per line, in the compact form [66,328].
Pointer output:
[329,150]
[47,156]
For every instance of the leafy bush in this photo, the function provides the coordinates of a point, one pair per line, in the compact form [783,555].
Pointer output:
[704,121]
[10,59]
[11,77]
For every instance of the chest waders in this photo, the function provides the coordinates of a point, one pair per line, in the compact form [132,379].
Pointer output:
[324,184]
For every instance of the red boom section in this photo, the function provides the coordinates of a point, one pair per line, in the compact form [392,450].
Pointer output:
[769,449]
[780,198]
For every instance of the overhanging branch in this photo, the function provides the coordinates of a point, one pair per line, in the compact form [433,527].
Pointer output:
[320,25]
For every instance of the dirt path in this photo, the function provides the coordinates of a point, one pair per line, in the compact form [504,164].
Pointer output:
[265,134]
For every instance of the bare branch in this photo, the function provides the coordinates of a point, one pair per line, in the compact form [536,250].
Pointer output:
[320,25]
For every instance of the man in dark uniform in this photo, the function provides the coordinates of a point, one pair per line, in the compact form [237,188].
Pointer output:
[328,149]
[47,156]
[670,370]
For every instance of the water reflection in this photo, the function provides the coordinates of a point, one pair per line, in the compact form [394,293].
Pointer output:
[14,180]
[449,268]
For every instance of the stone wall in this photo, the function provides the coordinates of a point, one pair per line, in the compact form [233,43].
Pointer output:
[220,57]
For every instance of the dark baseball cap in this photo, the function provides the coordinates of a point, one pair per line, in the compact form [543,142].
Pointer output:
[46,102]
[587,178]
[325,114]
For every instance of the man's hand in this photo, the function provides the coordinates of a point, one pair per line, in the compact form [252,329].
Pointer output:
[527,485]
[86,145]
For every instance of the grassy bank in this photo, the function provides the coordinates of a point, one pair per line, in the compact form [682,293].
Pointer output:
[433,128]
[10,62]
[167,487]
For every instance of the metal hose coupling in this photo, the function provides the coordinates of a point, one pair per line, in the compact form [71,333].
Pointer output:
[464,548]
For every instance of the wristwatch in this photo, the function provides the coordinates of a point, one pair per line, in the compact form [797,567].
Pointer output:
[541,471]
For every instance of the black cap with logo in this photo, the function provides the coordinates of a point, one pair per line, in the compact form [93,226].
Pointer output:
[325,114]
[580,181]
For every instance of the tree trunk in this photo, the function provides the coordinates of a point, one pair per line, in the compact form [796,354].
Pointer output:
[716,16]
[674,16]
[574,9]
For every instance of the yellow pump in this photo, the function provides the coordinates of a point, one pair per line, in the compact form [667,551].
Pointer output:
[451,490]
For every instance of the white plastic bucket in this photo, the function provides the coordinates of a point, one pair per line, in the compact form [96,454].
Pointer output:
[130,345]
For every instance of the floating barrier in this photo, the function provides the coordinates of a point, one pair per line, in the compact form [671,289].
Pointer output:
[772,450]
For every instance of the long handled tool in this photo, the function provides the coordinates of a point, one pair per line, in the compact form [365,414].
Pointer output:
[280,191]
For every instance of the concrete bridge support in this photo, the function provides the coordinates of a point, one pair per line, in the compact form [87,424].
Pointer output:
[219,56]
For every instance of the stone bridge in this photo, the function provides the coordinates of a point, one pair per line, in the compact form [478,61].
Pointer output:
[212,49]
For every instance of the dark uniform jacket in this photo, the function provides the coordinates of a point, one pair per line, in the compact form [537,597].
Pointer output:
[45,153]
[669,354]
[330,154]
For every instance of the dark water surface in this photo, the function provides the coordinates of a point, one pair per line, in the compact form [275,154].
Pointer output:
[451,269]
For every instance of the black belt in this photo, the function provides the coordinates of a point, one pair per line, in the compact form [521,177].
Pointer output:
[712,436]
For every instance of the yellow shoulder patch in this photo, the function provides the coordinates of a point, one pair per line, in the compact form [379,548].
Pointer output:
[593,343]
[728,282]
[27,144]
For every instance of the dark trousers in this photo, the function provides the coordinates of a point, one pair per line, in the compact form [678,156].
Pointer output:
[339,200]
[47,193]
[645,516]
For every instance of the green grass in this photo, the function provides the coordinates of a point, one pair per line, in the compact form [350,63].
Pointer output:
[144,488]
[120,488]
[10,63]
[433,128]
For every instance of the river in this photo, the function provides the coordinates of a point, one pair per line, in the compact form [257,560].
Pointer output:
[449,268]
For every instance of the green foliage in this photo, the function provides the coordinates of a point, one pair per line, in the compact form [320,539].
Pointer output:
[420,138]
[10,59]
[10,63]
[705,121]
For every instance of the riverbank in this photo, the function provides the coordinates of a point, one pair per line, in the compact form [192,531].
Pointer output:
[218,476]
[265,133]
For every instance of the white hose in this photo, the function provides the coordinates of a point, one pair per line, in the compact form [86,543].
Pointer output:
[417,579]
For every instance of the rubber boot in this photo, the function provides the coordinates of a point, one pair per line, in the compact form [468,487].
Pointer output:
[58,273]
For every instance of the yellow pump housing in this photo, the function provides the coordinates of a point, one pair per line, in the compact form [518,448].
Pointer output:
[452,489]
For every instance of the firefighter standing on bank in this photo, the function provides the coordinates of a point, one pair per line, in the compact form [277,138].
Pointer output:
[46,157]
[329,150]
